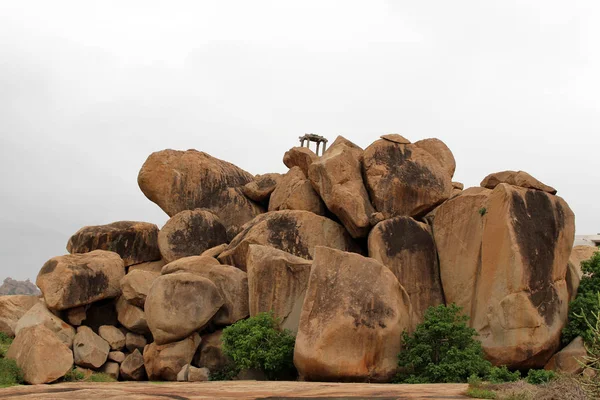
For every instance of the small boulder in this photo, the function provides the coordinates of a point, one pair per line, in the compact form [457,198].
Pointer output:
[300,157]
[182,376]
[113,336]
[295,192]
[515,178]
[40,315]
[111,369]
[132,368]
[163,362]
[215,251]
[131,317]
[440,152]
[135,341]
[210,353]
[568,360]
[135,286]
[198,374]
[116,356]
[261,187]
[12,308]
[89,349]
[153,266]
[189,264]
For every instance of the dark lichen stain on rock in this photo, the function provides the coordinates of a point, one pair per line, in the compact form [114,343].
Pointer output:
[85,284]
[283,234]
[369,311]
[402,234]
[48,267]
[203,231]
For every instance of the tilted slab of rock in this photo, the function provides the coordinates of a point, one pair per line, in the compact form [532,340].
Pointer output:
[295,232]
[574,273]
[231,282]
[12,308]
[295,192]
[190,233]
[135,242]
[440,152]
[261,187]
[337,177]
[40,315]
[78,279]
[503,257]
[186,180]
[131,317]
[277,282]
[300,157]
[515,178]
[132,368]
[403,179]
[215,251]
[113,336]
[406,247]
[210,353]
[569,360]
[136,284]
[42,356]
[179,304]
[152,266]
[163,362]
[352,320]
[89,349]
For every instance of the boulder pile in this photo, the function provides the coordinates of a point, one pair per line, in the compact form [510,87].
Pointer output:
[348,249]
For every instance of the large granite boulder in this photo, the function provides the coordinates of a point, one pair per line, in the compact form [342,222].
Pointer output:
[261,187]
[337,177]
[42,356]
[440,152]
[131,317]
[515,178]
[136,285]
[277,282]
[295,192]
[300,157]
[210,353]
[503,257]
[38,314]
[12,308]
[190,233]
[179,304]
[574,273]
[163,362]
[135,242]
[406,247]
[132,368]
[89,349]
[78,279]
[403,179]
[186,180]
[352,320]
[295,232]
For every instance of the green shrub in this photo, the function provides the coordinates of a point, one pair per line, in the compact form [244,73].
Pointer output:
[479,393]
[586,302]
[74,375]
[502,374]
[5,343]
[10,373]
[258,343]
[100,377]
[539,376]
[225,373]
[442,349]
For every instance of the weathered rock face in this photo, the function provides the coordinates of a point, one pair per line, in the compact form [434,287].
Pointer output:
[189,264]
[261,187]
[568,360]
[440,152]
[40,354]
[111,369]
[277,282]
[215,251]
[153,266]
[295,232]
[163,362]
[78,279]
[113,336]
[38,314]
[574,273]
[190,233]
[406,247]
[116,356]
[186,180]
[135,341]
[89,349]
[403,179]
[515,178]
[12,308]
[131,317]
[135,286]
[337,177]
[210,354]
[352,319]
[300,157]
[132,368]
[295,192]
[503,256]
[76,316]
[180,304]
[135,242]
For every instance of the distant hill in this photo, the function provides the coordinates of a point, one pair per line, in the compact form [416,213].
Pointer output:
[12,286]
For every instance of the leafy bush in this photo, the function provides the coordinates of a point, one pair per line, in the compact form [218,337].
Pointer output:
[74,375]
[10,373]
[479,393]
[258,343]
[585,302]
[225,373]
[442,349]
[5,343]
[100,377]
[539,376]
[502,374]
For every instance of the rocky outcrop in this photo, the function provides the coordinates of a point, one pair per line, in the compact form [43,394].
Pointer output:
[406,247]
[78,279]
[515,178]
[14,287]
[261,187]
[277,282]
[337,177]
[135,242]
[12,308]
[190,233]
[352,319]
[574,273]
[132,368]
[38,314]
[89,349]
[180,304]
[210,354]
[570,359]
[136,285]
[295,192]
[295,232]
[403,179]
[440,152]
[186,180]
[300,157]
[163,362]
[503,256]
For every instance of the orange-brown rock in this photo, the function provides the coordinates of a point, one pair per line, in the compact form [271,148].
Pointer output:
[135,341]
[78,279]
[136,284]
[503,257]
[153,266]
[295,192]
[163,362]
[352,319]
[261,187]
[406,247]
[76,316]
[116,356]
[38,314]
[337,177]
[569,360]
[515,178]
[295,232]
[403,179]
[215,251]
[179,304]
[186,180]
[111,369]
[440,152]
[42,357]
[135,242]
[113,336]
[131,317]
[299,157]
[132,368]
[89,349]
[395,138]
[210,353]
[12,308]
[190,233]
[277,282]
[574,273]
[189,264]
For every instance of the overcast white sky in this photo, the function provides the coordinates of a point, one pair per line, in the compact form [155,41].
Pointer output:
[88,89]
